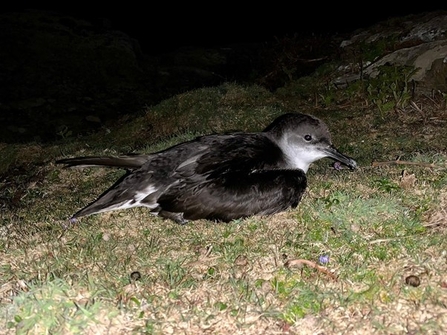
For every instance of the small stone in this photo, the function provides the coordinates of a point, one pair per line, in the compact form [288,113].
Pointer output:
[337,166]
[324,259]
[413,280]
[136,275]
[241,260]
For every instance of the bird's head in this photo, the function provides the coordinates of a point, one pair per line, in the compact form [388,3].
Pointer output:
[304,139]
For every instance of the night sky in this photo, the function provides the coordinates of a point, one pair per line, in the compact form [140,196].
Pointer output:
[168,25]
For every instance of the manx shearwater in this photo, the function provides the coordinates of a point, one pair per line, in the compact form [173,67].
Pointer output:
[220,177]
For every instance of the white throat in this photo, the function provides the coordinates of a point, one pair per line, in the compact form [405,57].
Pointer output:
[299,157]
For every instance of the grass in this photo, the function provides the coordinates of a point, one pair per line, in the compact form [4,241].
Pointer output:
[377,226]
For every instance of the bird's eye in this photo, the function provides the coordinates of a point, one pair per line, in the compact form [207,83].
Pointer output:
[308,138]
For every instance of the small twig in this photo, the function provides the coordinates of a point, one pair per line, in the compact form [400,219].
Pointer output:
[299,262]
[432,100]
[397,161]
[418,109]
[434,224]
[311,60]
[381,240]
[390,239]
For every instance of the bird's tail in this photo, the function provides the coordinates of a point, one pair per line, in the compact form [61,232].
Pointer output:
[125,162]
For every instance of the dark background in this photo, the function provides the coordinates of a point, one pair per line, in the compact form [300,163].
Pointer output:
[164,26]
[55,84]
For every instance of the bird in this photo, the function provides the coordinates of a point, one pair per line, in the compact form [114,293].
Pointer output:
[219,177]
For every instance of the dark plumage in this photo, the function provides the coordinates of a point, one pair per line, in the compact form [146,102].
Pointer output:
[220,177]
